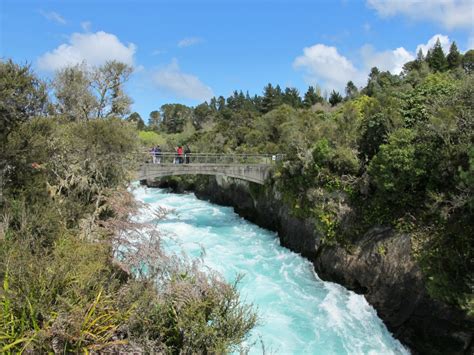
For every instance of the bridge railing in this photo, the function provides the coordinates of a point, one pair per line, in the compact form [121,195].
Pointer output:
[211,158]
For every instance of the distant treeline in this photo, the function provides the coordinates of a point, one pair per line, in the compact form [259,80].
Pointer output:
[172,118]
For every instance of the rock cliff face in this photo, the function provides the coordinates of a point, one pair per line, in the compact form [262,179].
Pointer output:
[380,266]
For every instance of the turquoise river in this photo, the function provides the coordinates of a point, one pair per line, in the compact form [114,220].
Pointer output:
[300,313]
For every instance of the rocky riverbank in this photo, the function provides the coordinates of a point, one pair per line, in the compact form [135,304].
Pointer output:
[379,265]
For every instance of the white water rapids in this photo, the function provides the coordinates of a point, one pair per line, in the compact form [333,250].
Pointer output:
[300,313]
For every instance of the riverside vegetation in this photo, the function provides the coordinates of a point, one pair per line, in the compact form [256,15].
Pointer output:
[76,273]
[397,152]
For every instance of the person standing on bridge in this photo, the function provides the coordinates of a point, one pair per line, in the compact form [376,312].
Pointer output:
[180,155]
[153,154]
[158,154]
[187,153]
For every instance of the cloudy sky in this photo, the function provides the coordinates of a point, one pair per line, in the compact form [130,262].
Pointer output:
[188,51]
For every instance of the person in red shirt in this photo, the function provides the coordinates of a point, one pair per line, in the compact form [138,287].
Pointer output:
[180,155]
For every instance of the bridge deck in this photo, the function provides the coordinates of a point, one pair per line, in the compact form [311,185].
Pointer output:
[251,167]
[256,173]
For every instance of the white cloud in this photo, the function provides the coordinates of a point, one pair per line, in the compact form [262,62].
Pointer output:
[324,64]
[53,16]
[93,48]
[190,41]
[449,13]
[391,60]
[444,40]
[188,86]
[86,26]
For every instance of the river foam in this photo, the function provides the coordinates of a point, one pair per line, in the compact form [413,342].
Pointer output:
[300,313]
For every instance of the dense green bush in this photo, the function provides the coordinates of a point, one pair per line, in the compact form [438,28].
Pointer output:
[396,170]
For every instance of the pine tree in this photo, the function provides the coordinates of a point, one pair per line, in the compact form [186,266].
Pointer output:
[311,97]
[272,98]
[335,98]
[437,60]
[454,57]
[292,97]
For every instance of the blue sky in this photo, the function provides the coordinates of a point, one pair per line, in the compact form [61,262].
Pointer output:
[188,51]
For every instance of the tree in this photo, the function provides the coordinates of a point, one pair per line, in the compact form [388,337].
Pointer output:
[335,98]
[237,101]
[374,132]
[220,103]
[397,170]
[312,97]
[272,98]
[154,120]
[454,57]
[174,117]
[213,104]
[137,119]
[468,61]
[22,96]
[108,82]
[373,85]
[351,90]
[201,114]
[292,97]
[437,59]
[72,88]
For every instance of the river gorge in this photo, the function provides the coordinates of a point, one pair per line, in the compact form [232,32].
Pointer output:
[299,313]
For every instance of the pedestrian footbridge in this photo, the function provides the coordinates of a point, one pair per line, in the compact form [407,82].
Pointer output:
[250,167]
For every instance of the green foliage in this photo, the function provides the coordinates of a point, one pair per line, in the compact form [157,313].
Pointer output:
[149,138]
[136,119]
[396,170]
[417,102]
[73,91]
[108,81]
[154,120]
[453,58]
[22,95]
[311,97]
[174,117]
[351,90]
[272,98]
[292,97]
[335,98]
[468,61]
[436,58]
